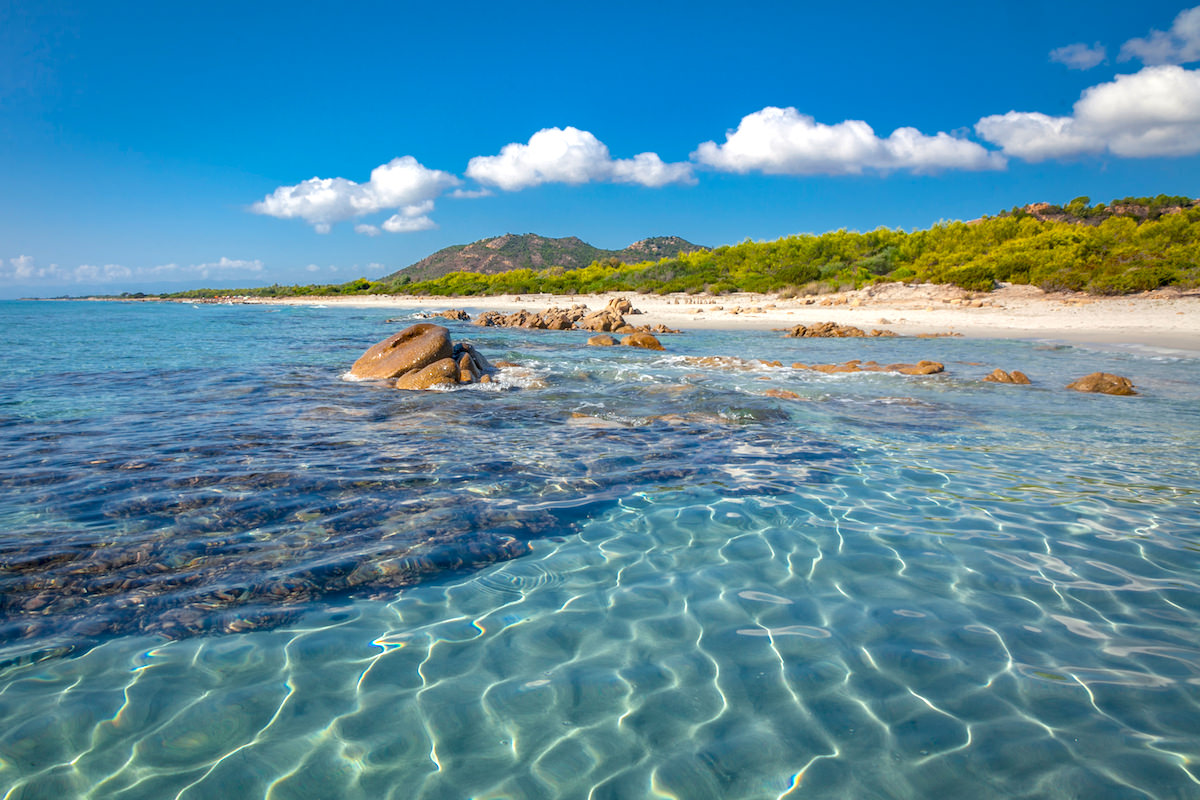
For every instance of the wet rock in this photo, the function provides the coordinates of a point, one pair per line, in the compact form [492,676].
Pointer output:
[421,357]
[855,365]
[456,314]
[1000,376]
[832,330]
[920,368]
[1104,383]
[411,349]
[445,371]
[602,340]
[782,394]
[642,339]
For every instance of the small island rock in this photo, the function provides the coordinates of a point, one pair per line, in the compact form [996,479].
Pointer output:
[1104,383]
[411,349]
[642,339]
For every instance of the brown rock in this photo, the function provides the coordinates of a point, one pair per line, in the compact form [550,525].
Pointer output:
[1103,383]
[782,394]
[602,340]
[440,372]
[620,306]
[601,321]
[642,339]
[467,371]
[920,368]
[456,314]
[1000,376]
[411,349]
[832,330]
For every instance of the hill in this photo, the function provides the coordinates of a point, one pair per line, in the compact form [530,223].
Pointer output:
[530,251]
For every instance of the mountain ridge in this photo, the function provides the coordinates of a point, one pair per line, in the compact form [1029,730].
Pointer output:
[511,251]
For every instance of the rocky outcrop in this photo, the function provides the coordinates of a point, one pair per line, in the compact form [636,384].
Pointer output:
[1104,383]
[1000,376]
[411,349]
[602,340]
[423,357]
[833,330]
[610,319]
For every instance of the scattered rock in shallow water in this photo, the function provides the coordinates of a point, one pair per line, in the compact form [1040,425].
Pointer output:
[422,357]
[782,394]
[832,330]
[855,365]
[602,340]
[456,314]
[642,339]
[411,349]
[1000,376]
[1104,383]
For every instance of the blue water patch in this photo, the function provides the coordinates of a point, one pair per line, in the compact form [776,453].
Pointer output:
[228,571]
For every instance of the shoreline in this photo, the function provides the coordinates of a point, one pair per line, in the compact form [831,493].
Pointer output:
[1165,318]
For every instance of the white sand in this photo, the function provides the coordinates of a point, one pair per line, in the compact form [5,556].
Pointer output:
[1164,318]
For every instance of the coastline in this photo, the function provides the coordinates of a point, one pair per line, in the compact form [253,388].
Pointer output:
[1168,319]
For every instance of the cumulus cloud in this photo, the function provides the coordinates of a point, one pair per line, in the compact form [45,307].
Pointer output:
[1080,56]
[401,183]
[367,230]
[1154,112]
[410,219]
[782,141]
[470,194]
[1180,45]
[569,155]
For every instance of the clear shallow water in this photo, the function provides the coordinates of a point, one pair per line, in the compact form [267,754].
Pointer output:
[228,572]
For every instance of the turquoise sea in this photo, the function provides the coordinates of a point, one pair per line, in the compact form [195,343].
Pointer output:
[228,572]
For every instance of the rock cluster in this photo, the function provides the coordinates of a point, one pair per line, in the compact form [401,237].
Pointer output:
[1000,376]
[834,330]
[1104,383]
[610,319]
[422,357]
[920,368]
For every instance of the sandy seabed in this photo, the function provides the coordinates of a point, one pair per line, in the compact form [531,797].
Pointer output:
[1167,318]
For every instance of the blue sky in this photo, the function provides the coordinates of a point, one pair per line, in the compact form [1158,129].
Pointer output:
[150,146]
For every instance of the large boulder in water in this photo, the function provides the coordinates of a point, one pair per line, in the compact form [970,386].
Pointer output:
[411,349]
[1103,383]
[422,357]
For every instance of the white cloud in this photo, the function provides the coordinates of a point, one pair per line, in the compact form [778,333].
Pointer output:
[312,268]
[569,155]
[470,194]
[1080,56]
[322,202]
[410,218]
[23,269]
[367,230]
[1180,45]
[782,141]
[1154,112]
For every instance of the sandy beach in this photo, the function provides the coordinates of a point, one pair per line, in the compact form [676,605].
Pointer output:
[1165,318]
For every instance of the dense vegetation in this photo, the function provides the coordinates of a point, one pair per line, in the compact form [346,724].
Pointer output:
[1130,245]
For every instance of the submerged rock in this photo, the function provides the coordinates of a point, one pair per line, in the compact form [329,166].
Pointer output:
[642,339]
[1104,383]
[602,340]
[1000,376]
[832,330]
[855,365]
